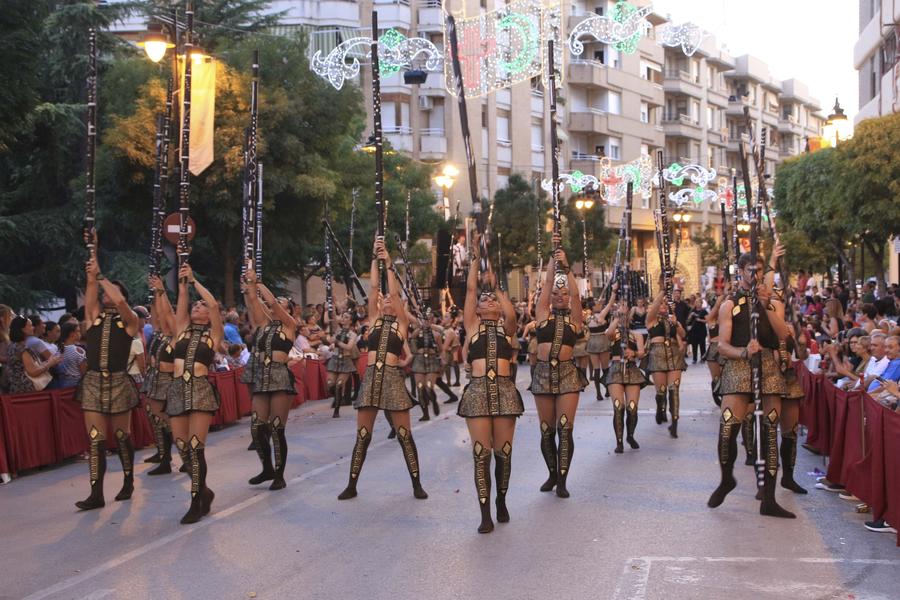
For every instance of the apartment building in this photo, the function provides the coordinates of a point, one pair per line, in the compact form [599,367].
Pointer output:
[875,56]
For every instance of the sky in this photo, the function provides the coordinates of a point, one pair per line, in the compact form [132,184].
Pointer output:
[810,40]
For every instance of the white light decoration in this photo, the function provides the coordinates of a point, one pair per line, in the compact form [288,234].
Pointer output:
[687,35]
[576,180]
[608,30]
[700,178]
[502,47]
[614,179]
[395,52]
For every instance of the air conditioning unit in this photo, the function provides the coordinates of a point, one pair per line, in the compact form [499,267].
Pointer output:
[426,103]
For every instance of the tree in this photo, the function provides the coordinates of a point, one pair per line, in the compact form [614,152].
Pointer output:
[598,234]
[710,249]
[516,218]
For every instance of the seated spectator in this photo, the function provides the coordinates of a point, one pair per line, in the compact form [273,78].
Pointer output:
[21,361]
[232,333]
[867,317]
[234,360]
[854,373]
[892,371]
[51,333]
[878,362]
[74,358]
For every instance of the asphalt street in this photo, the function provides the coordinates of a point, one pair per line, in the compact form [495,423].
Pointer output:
[636,526]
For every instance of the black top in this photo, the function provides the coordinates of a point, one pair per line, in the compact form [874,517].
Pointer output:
[714,331]
[740,323]
[546,330]
[661,330]
[107,343]
[638,321]
[424,340]
[395,342]
[194,346]
[160,347]
[615,348]
[478,343]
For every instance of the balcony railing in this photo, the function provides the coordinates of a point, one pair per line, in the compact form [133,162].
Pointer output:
[397,130]
[576,155]
[679,118]
[432,132]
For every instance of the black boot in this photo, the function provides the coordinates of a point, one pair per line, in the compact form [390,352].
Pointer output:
[597,383]
[451,395]
[338,397]
[769,507]
[156,424]
[165,464]
[363,437]
[482,458]
[261,434]
[356,382]
[548,450]
[788,460]
[503,458]
[432,396]
[631,420]
[424,400]
[411,456]
[564,454]
[456,374]
[748,434]
[184,454]
[392,434]
[661,406]
[717,397]
[674,408]
[199,494]
[728,429]
[279,444]
[126,455]
[618,424]
[97,466]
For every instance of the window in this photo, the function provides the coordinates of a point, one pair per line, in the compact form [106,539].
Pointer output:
[599,10]
[709,158]
[645,112]
[599,56]
[613,56]
[615,148]
[484,118]
[710,118]
[537,137]
[710,77]
[614,103]
[695,111]
[389,115]
[873,78]
[503,129]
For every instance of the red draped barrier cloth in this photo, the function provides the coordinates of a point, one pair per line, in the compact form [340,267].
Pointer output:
[891,440]
[4,462]
[865,478]
[838,401]
[28,425]
[361,364]
[243,394]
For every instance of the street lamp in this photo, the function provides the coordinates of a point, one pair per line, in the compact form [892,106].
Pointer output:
[837,127]
[155,42]
[583,205]
[445,181]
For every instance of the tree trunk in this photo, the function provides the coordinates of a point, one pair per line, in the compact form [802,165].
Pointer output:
[843,259]
[303,279]
[878,255]
[228,263]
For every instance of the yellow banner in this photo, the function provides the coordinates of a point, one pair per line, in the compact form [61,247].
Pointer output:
[203,112]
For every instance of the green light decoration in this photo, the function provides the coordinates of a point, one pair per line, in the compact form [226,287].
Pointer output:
[529,37]
[391,39]
[699,194]
[632,173]
[620,14]
[575,183]
[741,195]
[674,168]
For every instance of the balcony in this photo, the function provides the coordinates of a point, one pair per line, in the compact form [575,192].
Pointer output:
[717,97]
[430,16]
[393,84]
[591,120]
[400,137]
[736,106]
[717,136]
[770,118]
[589,164]
[504,153]
[591,73]
[677,81]
[393,13]
[789,125]
[434,85]
[681,125]
[432,144]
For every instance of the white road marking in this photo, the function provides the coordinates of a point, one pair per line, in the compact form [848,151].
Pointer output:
[635,576]
[186,531]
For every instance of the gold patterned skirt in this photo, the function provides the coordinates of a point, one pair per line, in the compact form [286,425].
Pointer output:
[107,393]
[156,385]
[424,364]
[340,364]
[712,353]
[792,386]
[736,376]
[632,375]
[580,348]
[249,372]
[476,403]
[598,343]
[571,380]
[665,358]
[195,394]
[394,395]
[277,377]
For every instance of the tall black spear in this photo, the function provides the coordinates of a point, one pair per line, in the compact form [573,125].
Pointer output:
[329,278]
[666,265]
[379,149]
[736,244]
[259,220]
[348,262]
[250,172]
[554,148]
[184,190]
[90,206]
[725,260]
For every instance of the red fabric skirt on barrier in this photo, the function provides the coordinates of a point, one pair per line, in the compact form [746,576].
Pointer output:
[865,479]
[29,423]
[835,453]
[891,429]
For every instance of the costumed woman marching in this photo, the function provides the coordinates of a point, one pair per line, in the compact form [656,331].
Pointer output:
[490,402]
[712,357]
[106,393]
[556,382]
[342,363]
[624,379]
[273,383]
[665,359]
[383,385]
[426,345]
[598,342]
[192,400]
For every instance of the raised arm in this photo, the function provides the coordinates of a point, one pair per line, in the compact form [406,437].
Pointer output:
[111,291]
[542,311]
[280,312]
[91,291]
[470,319]
[509,313]
[216,328]
[163,315]
[653,309]
[259,315]
[612,300]
[182,310]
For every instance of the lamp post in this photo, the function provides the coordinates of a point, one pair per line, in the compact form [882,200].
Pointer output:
[445,181]
[837,127]
[583,205]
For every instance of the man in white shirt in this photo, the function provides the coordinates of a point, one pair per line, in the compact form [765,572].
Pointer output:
[460,257]
[878,362]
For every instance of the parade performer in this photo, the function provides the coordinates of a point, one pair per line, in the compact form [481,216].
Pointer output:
[624,379]
[490,402]
[192,400]
[712,357]
[598,346]
[737,347]
[106,393]
[273,383]
[665,358]
[427,346]
[451,350]
[383,384]
[557,382]
[159,377]
[342,363]
[793,348]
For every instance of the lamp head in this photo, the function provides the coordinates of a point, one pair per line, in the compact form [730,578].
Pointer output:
[155,42]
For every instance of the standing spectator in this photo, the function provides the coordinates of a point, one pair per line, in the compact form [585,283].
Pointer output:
[51,334]
[232,334]
[833,322]
[74,358]
[34,342]
[868,296]
[21,361]
[682,308]
[841,293]
[802,280]
[696,323]
[137,364]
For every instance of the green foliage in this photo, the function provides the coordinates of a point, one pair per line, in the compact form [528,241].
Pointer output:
[516,218]
[710,250]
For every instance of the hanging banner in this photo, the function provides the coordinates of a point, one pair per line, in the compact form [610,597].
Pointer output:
[203,112]
[503,47]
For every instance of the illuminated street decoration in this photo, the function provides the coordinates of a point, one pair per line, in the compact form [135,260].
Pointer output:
[686,35]
[395,52]
[502,47]
[576,180]
[700,178]
[615,179]
[622,13]
[609,30]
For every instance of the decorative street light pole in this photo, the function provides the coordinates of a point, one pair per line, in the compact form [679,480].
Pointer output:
[583,205]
